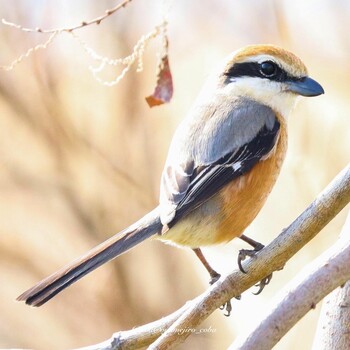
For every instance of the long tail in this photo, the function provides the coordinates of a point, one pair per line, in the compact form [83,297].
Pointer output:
[108,250]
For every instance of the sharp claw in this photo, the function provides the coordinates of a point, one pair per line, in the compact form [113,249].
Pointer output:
[268,279]
[241,267]
[228,308]
[243,253]
[261,287]
[241,256]
[262,284]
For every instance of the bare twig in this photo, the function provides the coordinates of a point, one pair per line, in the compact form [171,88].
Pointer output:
[83,24]
[333,331]
[312,284]
[126,62]
[29,52]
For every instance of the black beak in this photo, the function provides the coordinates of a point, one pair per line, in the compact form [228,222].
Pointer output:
[305,87]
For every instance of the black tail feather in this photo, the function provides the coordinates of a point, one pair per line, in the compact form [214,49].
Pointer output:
[106,251]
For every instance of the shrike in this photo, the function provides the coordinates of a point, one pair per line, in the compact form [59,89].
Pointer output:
[223,162]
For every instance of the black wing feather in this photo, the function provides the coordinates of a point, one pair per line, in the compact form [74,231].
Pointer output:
[208,180]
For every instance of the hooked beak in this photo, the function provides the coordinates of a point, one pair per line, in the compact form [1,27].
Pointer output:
[305,87]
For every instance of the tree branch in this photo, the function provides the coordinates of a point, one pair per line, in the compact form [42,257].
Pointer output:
[272,258]
[333,331]
[96,20]
[312,284]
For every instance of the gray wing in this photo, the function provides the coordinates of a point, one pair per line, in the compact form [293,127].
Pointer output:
[204,157]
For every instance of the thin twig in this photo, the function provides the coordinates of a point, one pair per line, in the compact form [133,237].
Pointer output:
[29,52]
[83,24]
[127,62]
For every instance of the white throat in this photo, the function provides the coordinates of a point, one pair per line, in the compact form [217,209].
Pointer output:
[267,92]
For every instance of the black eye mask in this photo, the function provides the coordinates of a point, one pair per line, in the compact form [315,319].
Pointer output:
[265,70]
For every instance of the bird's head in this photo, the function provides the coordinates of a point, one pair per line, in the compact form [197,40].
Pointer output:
[267,74]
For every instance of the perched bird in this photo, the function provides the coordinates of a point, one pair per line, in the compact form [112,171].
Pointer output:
[223,161]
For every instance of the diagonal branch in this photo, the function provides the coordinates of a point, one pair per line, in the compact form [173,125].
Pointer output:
[312,284]
[333,330]
[272,258]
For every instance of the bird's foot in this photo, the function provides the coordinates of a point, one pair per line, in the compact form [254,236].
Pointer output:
[227,306]
[263,283]
[214,277]
[243,254]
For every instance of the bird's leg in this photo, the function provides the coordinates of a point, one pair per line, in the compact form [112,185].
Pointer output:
[243,253]
[214,276]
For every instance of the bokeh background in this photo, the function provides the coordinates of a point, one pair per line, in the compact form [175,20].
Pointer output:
[79,161]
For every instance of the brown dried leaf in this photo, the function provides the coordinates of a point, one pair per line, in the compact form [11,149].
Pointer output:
[164,89]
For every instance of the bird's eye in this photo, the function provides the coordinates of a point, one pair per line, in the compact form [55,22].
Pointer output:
[268,69]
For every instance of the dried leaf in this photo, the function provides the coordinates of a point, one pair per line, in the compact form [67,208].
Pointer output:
[164,89]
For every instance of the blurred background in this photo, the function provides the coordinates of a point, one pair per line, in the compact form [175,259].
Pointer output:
[80,161]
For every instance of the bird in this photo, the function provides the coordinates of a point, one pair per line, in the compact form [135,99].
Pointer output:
[223,161]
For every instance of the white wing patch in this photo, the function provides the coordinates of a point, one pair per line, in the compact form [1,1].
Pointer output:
[236,166]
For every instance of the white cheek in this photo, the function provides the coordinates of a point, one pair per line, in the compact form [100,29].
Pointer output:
[265,91]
